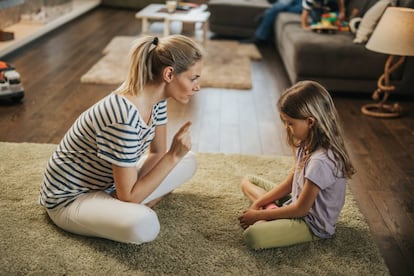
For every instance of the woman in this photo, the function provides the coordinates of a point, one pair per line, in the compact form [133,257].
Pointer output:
[113,164]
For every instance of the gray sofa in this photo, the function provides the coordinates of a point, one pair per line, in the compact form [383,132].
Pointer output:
[235,18]
[331,59]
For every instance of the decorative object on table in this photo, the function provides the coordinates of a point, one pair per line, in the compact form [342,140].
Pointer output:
[186,6]
[394,35]
[227,64]
[171,6]
[198,218]
[11,87]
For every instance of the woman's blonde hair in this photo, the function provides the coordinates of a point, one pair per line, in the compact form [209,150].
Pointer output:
[310,99]
[150,55]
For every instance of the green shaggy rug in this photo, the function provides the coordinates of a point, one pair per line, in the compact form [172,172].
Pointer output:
[199,235]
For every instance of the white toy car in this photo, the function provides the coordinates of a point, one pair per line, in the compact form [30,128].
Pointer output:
[10,83]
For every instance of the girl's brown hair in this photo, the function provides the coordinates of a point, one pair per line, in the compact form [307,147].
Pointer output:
[310,99]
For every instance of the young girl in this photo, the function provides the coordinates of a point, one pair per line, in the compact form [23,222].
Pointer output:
[113,164]
[316,183]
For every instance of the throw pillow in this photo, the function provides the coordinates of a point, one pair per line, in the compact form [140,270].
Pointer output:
[370,20]
[354,24]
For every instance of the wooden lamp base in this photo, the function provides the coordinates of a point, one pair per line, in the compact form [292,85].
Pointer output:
[382,110]
[380,95]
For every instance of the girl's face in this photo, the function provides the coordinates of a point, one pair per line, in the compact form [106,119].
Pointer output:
[183,86]
[299,128]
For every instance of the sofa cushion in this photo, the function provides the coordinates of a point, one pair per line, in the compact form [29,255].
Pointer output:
[324,55]
[406,3]
[370,20]
[235,18]
[361,5]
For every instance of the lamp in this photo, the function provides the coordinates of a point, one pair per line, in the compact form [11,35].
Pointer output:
[394,35]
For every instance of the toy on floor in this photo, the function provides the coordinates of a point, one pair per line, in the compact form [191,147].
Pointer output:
[10,83]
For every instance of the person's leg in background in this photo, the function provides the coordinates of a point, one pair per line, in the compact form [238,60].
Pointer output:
[295,7]
[265,29]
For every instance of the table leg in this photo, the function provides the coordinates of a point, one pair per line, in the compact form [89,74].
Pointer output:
[166,27]
[144,29]
[205,30]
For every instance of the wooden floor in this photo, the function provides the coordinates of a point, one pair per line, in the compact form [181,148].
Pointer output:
[229,121]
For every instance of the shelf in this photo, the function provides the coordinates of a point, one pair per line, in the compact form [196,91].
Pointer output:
[26,32]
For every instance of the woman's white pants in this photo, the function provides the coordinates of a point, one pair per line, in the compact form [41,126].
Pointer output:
[98,214]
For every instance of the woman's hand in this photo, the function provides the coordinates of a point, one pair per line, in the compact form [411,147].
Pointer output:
[249,217]
[130,188]
[181,143]
[114,194]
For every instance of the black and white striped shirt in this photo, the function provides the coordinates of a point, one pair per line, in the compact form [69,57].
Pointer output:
[110,132]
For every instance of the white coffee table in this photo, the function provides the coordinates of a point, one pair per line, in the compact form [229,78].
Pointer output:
[156,12]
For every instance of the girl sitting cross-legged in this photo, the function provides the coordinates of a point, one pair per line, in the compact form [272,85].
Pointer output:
[317,183]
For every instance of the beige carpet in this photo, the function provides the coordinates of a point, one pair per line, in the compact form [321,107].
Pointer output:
[227,64]
[199,235]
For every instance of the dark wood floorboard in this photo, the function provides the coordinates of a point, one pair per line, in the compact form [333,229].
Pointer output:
[229,121]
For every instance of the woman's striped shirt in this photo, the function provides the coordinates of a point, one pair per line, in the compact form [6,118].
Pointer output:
[110,132]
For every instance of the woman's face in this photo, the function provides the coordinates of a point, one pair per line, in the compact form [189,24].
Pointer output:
[183,86]
[299,128]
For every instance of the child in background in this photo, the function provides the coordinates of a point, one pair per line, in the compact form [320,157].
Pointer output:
[315,9]
[317,182]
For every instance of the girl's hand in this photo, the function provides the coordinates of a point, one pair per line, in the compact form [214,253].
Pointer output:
[181,143]
[341,16]
[254,206]
[249,217]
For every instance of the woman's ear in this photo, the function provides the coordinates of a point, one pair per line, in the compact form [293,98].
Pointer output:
[168,74]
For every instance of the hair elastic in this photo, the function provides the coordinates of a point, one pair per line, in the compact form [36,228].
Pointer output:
[155,41]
